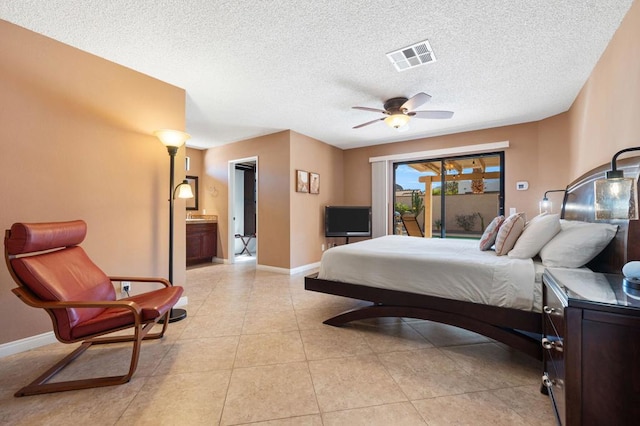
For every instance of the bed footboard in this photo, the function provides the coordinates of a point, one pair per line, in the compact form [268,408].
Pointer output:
[515,328]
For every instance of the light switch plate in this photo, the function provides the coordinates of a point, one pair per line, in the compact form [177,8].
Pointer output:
[522,185]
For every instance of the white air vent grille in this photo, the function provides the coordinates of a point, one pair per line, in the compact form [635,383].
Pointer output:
[412,56]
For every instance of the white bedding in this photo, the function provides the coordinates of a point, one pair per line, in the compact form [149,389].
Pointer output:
[449,268]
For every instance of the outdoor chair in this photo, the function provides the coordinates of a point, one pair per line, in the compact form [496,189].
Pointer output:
[412,226]
[55,274]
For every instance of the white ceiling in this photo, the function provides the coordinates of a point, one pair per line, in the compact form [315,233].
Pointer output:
[252,68]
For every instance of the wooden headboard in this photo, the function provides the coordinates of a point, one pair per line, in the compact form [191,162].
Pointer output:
[579,205]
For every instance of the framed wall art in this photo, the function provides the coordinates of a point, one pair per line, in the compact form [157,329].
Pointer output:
[302,181]
[314,183]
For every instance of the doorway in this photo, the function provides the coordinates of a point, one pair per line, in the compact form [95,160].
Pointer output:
[243,213]
[449,197]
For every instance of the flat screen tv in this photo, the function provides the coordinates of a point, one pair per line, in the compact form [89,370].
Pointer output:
[347,221]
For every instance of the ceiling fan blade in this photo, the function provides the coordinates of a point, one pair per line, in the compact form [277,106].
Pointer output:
[371,109]
[415,101]
[431,114]
[368,122]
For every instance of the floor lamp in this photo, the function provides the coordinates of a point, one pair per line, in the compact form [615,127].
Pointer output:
[173,140]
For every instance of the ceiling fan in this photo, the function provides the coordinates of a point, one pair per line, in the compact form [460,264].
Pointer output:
[398,111]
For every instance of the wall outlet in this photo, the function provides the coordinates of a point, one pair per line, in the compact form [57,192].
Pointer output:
[125,286]
[322,247]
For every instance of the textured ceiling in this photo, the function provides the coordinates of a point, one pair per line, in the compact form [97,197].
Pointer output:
[256,67]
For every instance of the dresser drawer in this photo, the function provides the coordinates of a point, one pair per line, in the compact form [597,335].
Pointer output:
[553,313]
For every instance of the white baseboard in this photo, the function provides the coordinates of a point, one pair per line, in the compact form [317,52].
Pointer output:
[288,271]
[183,301]
[28,343]
[22,345]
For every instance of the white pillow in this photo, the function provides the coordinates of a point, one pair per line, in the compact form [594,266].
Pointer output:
[537,232]
[576,244]
[509,232]
[489,235]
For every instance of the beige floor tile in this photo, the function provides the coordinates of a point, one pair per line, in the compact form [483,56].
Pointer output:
[495,366]
[392,337]
[269,348]
[240,357]
[309,319]
[314,420]
[269,302]
[186,356]
[353,382]
[98,406]
[115,360]
[428,373]
[477,409]
[179,399]
[269,321]
[214,325]
[333,342]
[399,414]
[527,401]
[269,393]
[447,335]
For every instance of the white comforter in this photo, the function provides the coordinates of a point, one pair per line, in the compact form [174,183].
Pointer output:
[449,268]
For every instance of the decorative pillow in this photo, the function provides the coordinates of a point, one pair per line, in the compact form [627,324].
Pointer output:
[577,244]
[509,232]
[535,218]
[490,233]
[537,232]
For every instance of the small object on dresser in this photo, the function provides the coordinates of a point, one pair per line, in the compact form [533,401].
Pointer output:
[631,272]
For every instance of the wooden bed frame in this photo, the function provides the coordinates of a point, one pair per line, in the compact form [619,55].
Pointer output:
[516,328]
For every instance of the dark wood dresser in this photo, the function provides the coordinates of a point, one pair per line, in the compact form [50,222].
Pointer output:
[202,241]
[592,347]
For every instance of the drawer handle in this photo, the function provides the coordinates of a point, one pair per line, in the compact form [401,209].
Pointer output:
[549,345]
[546,381]
[548,310]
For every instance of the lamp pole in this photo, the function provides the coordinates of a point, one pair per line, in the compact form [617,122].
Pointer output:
[172,139]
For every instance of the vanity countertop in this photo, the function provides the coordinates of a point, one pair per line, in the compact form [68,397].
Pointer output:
[202,218]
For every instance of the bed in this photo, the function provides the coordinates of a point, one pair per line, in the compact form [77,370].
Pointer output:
[512,318]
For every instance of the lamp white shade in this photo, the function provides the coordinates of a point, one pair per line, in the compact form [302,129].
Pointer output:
[184,190]
[397,120]
[169,137]
[616,199]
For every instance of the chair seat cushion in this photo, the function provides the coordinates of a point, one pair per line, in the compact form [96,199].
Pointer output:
[154,304]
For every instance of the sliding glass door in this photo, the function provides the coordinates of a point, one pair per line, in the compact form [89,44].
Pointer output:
[448,197]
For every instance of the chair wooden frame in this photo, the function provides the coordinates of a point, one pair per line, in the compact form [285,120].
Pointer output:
[142,328]
[40,385]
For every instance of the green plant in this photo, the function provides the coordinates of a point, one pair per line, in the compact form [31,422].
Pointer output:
[466,221]
[438,224]
[402,208]
[417,202]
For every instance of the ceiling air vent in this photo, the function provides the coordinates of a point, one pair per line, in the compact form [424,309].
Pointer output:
[412,56]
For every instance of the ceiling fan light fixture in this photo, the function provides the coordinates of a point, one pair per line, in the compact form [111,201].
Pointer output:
[397,120]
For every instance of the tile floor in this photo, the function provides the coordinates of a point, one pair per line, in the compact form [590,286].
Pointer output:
[253,350]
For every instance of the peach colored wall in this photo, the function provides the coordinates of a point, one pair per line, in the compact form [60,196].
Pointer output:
[521,163]
[307,210]
[605,116]
[75,136]
[274,183]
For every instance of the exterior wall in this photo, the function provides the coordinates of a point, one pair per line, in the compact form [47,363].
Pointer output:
[521,163]
[76,141]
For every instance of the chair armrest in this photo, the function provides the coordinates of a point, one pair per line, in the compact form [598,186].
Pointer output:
[162,281]
[33,301]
